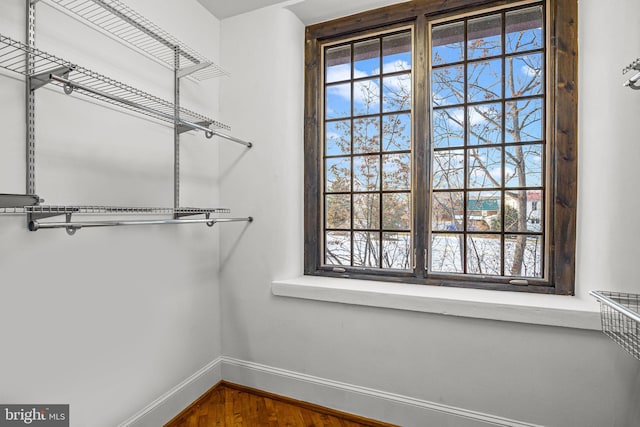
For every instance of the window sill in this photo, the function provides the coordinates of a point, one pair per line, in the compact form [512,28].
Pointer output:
[549,310]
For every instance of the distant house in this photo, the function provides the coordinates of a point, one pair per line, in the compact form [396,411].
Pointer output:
[534,207]
[483,212]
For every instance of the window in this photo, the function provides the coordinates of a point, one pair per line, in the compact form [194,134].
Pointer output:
[441,149]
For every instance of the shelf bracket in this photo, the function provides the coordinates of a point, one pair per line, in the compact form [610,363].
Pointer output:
[18,200]
[71,230]
[35,215]
[182,128]
[179,214]
[207,216]
[192,69]
[44,78]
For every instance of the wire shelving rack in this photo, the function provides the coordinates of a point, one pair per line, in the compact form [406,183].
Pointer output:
[620,315]
[40,68]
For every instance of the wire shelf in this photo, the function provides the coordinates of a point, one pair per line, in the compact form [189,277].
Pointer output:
[61,210]
[11,204]
[49,68]
[620,315]
[136,31]
[635,65]
[54,210]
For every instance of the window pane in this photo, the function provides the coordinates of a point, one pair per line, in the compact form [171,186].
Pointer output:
[396,132]
[447,211]
[484,37]
[396,52]
[524,30]
[523,120]
[447,43]
[367,149]
[523,256]
[484,80]
[366,135]
[338,137]
[366,97]
[396,93]
[366,251]
[448,127]
[338,64]
[448,85]
[396,171]
[448,169]
[338,211]
[366,56]
[485,167]
[524,75]
[485,124]
[366,173]
[523,166]
[483,254]
[366,211]
[488,98]
[338,101]
[396,211]
[396,250]
[446,253]
[523,211]
[337,248]
[338,175]
[483,211]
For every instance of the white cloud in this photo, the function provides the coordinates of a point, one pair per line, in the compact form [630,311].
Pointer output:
[338,73]
[342,72]
[343,91]
[398,65]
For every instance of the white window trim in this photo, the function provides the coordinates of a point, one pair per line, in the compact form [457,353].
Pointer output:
[536,309]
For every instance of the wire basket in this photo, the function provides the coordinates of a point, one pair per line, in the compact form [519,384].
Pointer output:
[620,315]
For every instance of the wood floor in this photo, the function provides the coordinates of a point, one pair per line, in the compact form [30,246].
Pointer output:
[231,405]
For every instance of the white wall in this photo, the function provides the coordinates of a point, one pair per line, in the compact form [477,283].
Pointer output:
[544,375]
[110,319]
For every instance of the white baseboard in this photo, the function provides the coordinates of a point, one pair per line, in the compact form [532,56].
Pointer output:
[170,404]
[370,403]
[366,402]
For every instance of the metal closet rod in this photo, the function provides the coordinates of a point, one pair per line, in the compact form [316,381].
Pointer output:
[209,133]
[633,82]
[72,226]
[615,306]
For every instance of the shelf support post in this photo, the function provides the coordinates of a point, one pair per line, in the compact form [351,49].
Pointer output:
[176,128]
[30,99]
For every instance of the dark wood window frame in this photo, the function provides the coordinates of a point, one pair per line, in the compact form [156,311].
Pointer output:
[562,133]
